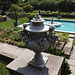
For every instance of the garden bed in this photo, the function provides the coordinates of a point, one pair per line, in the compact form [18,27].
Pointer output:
[61,46]
[10,34]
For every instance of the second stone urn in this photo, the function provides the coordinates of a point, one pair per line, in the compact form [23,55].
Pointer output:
[37,38]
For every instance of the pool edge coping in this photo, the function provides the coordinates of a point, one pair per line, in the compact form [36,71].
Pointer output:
[64,32]
[60,19]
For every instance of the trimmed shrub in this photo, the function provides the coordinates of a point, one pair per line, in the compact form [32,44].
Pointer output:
[55,12]
[73,13]
[22,12]
[48,12]
[15,7]
[36,11]
[43,12]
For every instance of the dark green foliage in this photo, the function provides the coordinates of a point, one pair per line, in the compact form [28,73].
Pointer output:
[62,5]
[31,15]
[54,51]
[14,8]
[2,40]
[22,12]
[28,8]
[21,44]
[16,36]
[65,68]
[3,70]
[3,35]
[16,28]
[9,31]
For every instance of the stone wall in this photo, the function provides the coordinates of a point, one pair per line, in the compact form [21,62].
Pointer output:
[19,16]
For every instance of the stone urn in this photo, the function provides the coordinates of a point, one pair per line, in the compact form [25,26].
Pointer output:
[37,39]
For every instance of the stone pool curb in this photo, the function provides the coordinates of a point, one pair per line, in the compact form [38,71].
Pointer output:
[10,52]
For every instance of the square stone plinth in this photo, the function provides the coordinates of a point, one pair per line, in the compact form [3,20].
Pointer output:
[39,66]
[20,65]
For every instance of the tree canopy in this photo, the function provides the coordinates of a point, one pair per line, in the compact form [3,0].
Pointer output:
[62,5]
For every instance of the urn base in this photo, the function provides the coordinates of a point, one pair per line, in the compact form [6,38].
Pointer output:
[39,66]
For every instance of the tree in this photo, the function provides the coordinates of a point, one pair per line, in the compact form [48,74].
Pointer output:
[28,8]
[14,8]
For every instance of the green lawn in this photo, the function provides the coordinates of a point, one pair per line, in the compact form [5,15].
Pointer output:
[3,70]
[10,23]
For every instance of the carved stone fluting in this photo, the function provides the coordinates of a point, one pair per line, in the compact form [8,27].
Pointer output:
[36,39]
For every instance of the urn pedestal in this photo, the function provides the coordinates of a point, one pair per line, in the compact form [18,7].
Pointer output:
[37,39]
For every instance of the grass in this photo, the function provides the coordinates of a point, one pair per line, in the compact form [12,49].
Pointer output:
[3,70]
[22,20]
[9,24]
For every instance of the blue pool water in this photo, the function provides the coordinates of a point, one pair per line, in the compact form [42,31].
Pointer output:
[66,26]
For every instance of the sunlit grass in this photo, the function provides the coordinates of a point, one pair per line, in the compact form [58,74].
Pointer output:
[3,70]
[9,24]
